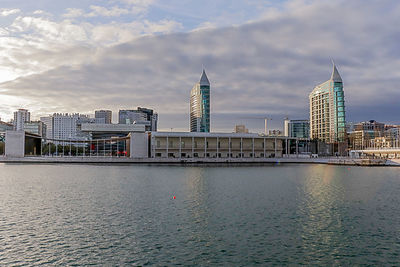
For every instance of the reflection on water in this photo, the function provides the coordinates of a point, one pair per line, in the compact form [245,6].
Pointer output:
[222,216]
[320,212]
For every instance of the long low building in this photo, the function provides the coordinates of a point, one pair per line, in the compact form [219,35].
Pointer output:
[214,145]
[138,143]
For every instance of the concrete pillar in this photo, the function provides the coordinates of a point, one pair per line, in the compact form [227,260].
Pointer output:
[138,145]
[276,149]
[15,144]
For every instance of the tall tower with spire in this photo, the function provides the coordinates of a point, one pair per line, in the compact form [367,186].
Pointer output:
[327,110]
[200,105]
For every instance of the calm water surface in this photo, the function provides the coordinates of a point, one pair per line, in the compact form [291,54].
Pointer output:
[230,216]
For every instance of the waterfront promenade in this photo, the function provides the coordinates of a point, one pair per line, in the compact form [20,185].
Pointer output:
[199,161]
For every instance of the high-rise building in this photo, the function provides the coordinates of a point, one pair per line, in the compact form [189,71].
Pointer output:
[139,116]
[66,126]
[104,114]
[20,117]
[200,105]
[297,128]
[327,110]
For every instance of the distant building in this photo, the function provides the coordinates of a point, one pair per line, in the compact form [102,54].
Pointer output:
[20,117]
[200,105]
[66,126]
[104,114]
[363,134]
[327,110]
[297,128]
[275,133]
[241,129]
[370,126]
[143,116]
[5,126]
[36,127]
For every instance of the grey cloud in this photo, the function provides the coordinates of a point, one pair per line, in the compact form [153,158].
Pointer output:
[263,68]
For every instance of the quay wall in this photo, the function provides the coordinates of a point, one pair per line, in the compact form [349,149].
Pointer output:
[199,161]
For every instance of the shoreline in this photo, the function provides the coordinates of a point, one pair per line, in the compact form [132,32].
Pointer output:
[203,161]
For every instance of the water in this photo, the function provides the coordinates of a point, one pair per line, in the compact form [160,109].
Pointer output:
[232,216]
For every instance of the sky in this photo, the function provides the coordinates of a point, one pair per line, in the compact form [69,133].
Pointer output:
[262,57]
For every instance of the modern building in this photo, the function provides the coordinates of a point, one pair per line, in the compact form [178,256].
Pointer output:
[327,110]
[20,117]
[241,129]
[297,128]
[66,126]
[104,114]
[35,127]
[363,134]
[214,145]
[371,125]
[143,116]
[200,105]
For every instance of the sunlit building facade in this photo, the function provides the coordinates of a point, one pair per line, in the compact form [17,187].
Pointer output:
[200,105]
[327,110]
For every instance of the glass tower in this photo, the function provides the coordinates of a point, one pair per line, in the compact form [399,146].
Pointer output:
[327,110]
[200,105]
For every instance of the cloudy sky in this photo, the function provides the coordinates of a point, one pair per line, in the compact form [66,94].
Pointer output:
[263,57]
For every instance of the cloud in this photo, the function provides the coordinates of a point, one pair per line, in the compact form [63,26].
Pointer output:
[4,12]
[261,68]
[73,13]
[103,11]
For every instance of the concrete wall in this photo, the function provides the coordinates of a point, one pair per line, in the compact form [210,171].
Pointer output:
[138,145]
[15,144]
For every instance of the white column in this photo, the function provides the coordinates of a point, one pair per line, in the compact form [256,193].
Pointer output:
[297,147]
[276,149]
[104,147]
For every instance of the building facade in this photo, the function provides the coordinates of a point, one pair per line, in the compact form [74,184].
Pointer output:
[20,117]
[327,110]
[297,128]
[200,105]
[214,145]
[104,114]
[143,116]
[66,126]
[36,127]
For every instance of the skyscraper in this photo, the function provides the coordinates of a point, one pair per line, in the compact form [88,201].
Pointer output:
[20,117]
[200,105]
[327,110]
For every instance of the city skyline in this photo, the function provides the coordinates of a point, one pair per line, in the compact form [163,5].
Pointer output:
[264,64]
